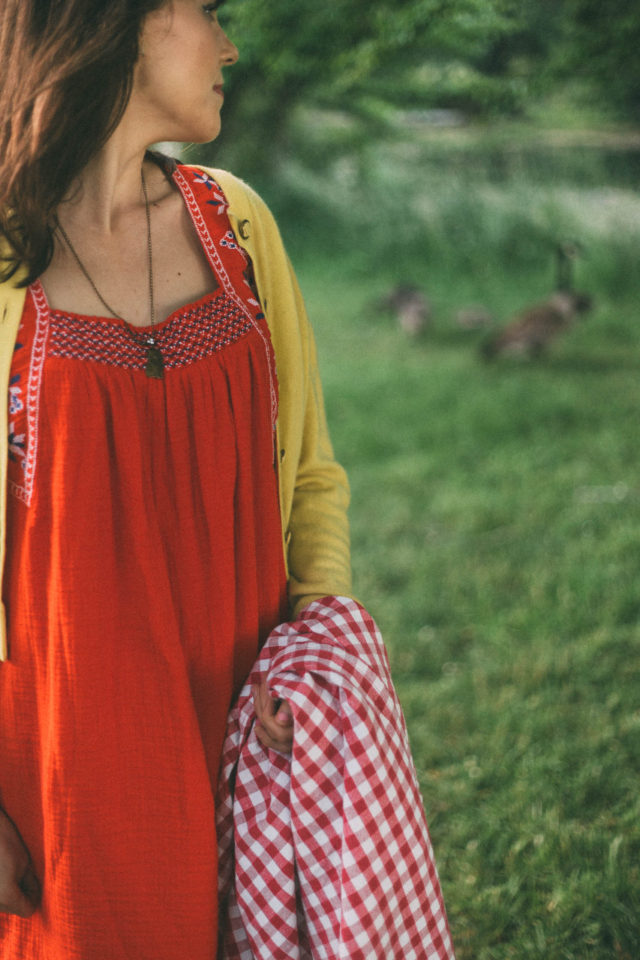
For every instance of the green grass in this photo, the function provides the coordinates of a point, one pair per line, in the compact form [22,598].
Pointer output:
[496,538]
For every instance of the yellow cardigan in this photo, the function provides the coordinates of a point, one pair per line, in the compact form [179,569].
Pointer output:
[314,493]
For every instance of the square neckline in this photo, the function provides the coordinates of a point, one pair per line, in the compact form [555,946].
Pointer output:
[169,168]
[143,330]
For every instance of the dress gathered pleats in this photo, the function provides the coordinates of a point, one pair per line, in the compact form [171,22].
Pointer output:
[144,569]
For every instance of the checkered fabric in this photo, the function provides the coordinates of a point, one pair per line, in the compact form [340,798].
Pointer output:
[325,854]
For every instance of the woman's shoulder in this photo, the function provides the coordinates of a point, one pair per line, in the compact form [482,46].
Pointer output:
[244,202]
[244,205]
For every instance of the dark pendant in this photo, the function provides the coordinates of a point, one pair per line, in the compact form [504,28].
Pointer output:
[155,364]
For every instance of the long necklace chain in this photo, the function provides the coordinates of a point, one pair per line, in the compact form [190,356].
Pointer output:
[155,362]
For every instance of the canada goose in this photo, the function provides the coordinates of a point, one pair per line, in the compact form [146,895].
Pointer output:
[410,306]
[534,328]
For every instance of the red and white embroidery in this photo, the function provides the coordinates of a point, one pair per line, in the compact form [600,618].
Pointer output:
[190,334]
[27,365]
[216,198]
[326,855]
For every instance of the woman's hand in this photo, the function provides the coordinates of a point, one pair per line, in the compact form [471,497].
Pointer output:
[19,886]
[274,726]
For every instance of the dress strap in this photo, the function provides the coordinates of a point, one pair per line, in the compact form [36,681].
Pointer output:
[208,208]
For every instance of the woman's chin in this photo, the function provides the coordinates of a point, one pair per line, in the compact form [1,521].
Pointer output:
[207,138]
[194,133]
[206,132]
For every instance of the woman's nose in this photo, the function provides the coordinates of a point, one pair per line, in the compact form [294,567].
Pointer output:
[229,50]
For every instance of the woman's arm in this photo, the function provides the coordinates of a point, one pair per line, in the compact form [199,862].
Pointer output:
[314,492]
[313,487]
[318,547]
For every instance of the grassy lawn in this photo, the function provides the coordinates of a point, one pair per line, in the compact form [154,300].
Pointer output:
[496,538]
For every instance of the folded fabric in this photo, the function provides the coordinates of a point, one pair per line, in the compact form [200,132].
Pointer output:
[325,854]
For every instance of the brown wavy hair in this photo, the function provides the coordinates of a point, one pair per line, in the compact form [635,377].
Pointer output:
[66,70]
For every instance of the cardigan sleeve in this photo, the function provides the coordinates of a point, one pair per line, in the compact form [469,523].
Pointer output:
[314,492]
[318,533]
[12,300]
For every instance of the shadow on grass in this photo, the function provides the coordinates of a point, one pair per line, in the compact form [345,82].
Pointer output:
[564,361]
[592,363]
[574,362]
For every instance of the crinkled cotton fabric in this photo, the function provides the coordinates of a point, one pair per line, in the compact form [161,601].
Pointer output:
[144,567]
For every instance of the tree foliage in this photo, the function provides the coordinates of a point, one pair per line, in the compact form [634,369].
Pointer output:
[479,56]
[602,42]
[335,54]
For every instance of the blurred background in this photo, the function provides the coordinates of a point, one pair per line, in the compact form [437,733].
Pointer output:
[456,181]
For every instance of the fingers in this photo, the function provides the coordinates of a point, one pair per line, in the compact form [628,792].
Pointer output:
[284,716]
[23,900]
[30,887]
[19,886]
[274,726]
[21,895]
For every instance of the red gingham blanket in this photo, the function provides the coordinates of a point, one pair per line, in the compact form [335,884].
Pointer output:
[325,854]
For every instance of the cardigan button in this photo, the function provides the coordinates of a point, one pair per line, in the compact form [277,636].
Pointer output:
[283,454]
[244,229]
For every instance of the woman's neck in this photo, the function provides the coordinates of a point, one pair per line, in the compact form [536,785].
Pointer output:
[109,190]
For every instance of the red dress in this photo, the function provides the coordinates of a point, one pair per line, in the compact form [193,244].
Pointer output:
[144,568]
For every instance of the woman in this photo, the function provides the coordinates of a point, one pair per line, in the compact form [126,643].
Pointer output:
[171,494]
